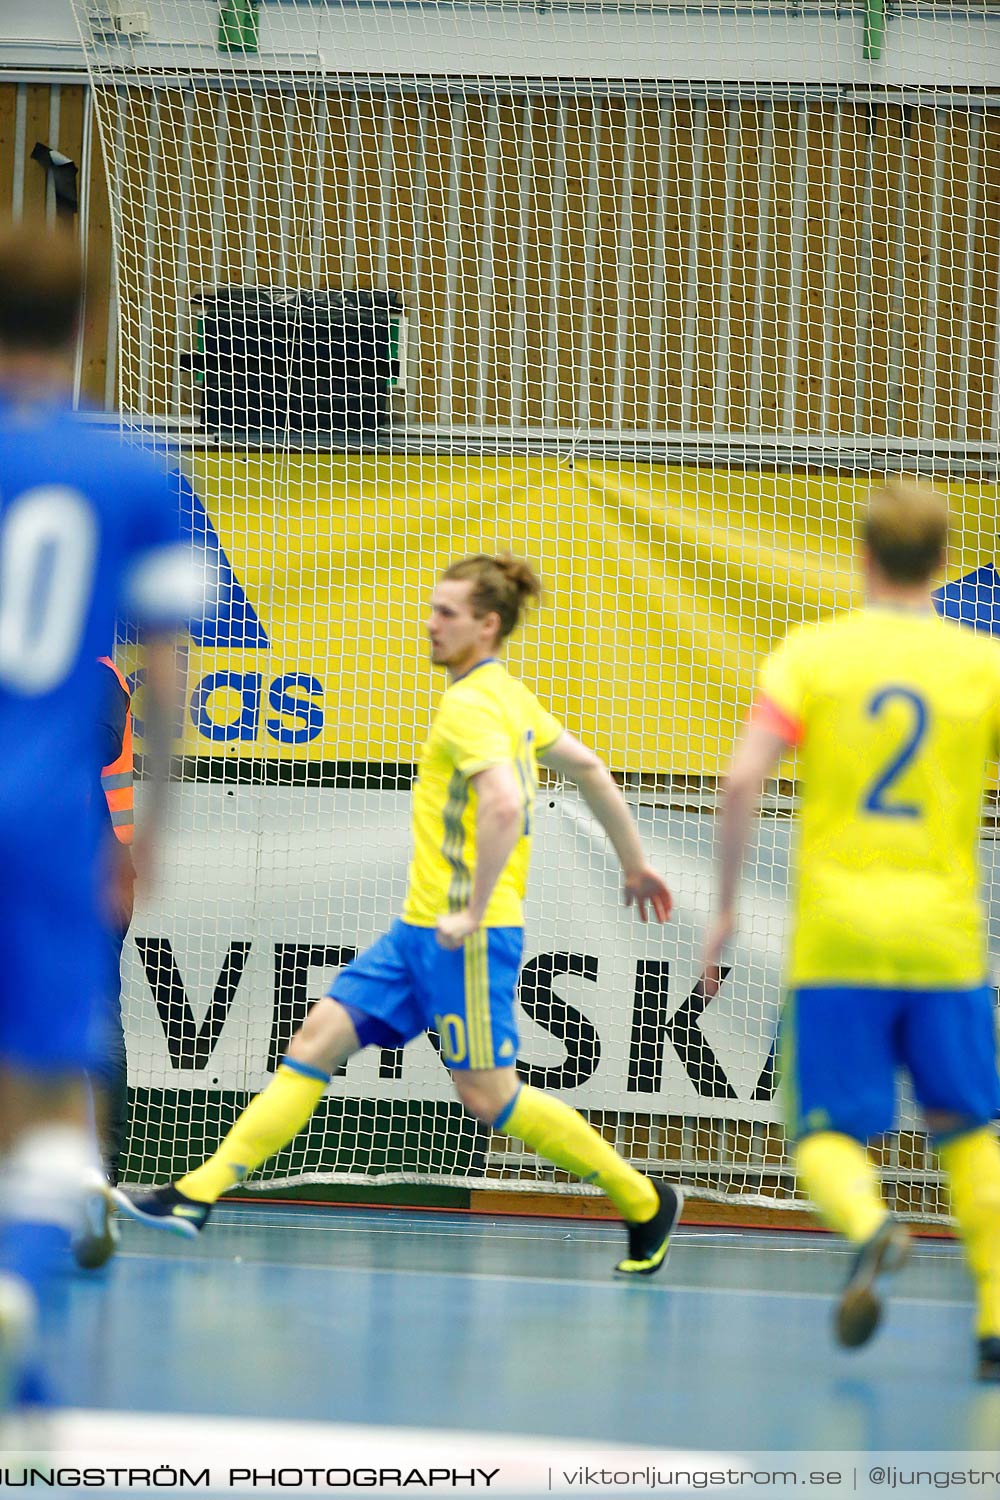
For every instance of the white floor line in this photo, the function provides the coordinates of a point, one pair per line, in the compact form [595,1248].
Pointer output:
[579,1231]
[644,1286]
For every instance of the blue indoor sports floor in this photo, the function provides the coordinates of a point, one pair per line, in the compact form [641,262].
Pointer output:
[437,1320]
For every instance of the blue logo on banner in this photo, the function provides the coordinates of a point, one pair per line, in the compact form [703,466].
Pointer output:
[234,622]
[973,600]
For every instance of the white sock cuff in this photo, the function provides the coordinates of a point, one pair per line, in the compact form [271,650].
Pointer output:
[43,1176]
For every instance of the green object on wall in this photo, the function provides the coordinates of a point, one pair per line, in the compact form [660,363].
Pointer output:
[874,29]
[239,25]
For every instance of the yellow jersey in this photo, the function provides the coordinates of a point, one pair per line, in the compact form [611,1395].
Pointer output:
[486,718]
[897,714]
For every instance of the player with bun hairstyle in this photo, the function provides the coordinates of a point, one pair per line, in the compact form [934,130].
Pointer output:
[503,584]
[452,961]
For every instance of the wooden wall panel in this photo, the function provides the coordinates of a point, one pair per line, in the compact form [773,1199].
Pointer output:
[536,249]
[466,212]
[889,178]
[36,128]
[646,196]
[98,340]
[681,287]
[238,189]
[777,292]
[974,395]
[607,251]
[954,148]
[915,261]
[984,353]
[8,115]
[850,268]
[708,265]
[804,399]
[577,262]
[571,278]
[749,177]
[58,115]
[432,288]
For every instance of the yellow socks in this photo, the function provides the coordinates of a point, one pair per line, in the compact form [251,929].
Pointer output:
[269,1122]
[564,1138]
[839,1177]
[972,1162]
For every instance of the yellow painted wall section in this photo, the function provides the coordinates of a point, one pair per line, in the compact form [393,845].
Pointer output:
[664,587]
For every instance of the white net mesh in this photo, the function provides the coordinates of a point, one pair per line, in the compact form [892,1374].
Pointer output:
[403,282]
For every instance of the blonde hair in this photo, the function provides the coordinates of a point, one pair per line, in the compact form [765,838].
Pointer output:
[502,584]
[905,528]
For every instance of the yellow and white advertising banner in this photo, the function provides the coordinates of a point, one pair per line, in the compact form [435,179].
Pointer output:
[663,587]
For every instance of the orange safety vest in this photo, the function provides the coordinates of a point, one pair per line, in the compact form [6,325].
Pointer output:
[118,779]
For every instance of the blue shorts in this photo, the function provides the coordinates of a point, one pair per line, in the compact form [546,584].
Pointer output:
[406,983]
[841,1048]
[53,977]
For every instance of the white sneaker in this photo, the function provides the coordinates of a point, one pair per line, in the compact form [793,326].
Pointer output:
[97,1238]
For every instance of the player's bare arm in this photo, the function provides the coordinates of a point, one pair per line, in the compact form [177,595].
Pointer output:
[645,888]
[499,825]
[755,759]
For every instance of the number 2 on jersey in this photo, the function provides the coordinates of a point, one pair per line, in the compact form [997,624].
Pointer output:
[877,800]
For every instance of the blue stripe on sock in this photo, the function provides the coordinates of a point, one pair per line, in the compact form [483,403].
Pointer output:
[305,1070]
[506,1112]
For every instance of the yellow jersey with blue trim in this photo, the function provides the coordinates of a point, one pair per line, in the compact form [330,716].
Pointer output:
[897,715]
[485,718]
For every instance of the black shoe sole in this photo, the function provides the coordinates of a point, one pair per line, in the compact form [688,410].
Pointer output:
[859,1310]
[168,1222]
[98,1237]
[652,1263]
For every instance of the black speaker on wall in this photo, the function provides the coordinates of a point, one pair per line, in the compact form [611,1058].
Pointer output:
[313,362]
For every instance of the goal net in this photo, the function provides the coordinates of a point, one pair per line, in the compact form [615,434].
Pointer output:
[646,293]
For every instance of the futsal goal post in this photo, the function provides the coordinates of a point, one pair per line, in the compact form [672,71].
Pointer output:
[645,292]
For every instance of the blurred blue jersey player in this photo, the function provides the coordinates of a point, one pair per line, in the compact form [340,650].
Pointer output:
[87,530]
